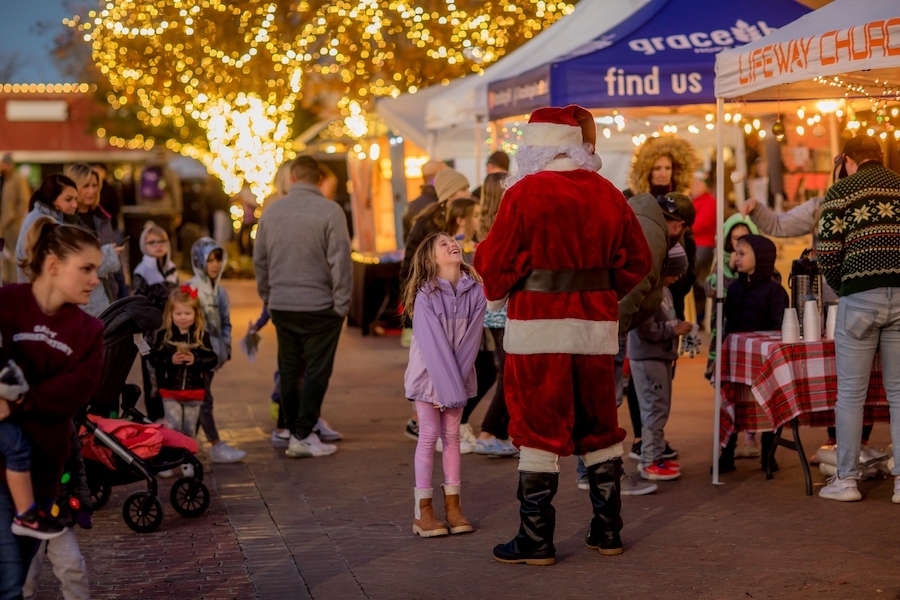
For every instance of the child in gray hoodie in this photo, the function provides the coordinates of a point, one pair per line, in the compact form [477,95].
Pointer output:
[208,260]
[652,351]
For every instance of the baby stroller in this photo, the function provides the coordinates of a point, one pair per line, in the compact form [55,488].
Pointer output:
[108,460]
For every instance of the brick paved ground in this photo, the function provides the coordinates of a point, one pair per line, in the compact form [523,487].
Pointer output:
[340,527]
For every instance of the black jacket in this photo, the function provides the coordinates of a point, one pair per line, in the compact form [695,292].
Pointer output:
[183,377]
[756,302]
[428,197]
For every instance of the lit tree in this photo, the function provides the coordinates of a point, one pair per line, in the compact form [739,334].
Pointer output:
[236,68]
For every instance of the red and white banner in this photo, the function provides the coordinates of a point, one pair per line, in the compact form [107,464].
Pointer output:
[841,37]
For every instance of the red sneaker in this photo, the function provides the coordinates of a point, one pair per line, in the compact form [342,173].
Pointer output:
[660,472]
[671,464]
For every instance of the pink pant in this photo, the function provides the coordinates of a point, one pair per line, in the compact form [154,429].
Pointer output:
[432,423]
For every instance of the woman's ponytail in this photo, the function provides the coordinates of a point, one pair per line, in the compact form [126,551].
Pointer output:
[47,238]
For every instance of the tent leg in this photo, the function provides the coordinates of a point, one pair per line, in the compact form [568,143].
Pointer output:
[719,304]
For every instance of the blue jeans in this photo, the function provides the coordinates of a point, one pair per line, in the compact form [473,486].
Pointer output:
[15,448]
[867,322]
[618,368]
[15,552]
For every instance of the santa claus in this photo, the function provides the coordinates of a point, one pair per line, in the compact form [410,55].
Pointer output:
[564,249]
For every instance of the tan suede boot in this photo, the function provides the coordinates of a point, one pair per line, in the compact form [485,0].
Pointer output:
[458,523]
[426,524]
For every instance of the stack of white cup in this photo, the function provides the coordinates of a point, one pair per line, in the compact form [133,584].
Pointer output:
[790,327]
[812,322]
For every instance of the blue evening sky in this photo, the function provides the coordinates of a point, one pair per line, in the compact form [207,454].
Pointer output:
[18,34]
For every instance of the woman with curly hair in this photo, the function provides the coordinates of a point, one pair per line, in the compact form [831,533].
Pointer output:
[661,165]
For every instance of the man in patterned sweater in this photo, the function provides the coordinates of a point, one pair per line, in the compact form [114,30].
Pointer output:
[859,253]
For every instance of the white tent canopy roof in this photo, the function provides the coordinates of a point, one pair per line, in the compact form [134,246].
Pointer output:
[839,39]
[466,99]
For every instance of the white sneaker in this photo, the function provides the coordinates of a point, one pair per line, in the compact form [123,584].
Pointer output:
[167,474]
[281,438]
[225,454]
[842,490]
[896,497]
[309,447]
[466,434]
[325,432]
[465,447]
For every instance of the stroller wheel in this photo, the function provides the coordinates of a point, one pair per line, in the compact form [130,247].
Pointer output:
[142,512]
[100,493]
[190,497]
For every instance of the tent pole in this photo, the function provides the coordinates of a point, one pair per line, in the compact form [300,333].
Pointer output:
[740,164]
[479,142]
[720,276]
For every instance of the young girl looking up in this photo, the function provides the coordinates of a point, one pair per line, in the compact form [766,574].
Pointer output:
[445,302]
[183,360]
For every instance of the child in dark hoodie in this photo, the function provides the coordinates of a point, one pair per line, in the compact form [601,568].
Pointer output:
[208,260]
[155,277]
[755,302]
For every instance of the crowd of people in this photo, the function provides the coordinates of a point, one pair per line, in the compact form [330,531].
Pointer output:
[553,351]
[561,292]
[62,270]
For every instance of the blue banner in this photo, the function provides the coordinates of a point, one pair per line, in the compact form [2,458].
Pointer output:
[663,55]
[519,95]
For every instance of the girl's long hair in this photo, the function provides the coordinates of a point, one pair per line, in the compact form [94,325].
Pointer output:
[424,270]
[180,296]
[491,193]
[461,208]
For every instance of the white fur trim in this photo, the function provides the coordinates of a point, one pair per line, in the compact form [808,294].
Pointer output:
[495,305]
[603,455]
[561,164]
[450,490]
[533,460]
[561,336]
[551,134]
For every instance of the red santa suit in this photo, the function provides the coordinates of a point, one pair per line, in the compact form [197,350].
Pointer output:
[559,382]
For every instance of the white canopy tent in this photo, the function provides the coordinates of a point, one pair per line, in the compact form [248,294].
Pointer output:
[447,120]
[847,42]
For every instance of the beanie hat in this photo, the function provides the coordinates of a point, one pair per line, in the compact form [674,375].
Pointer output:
[449,181]
[554,126]
[431,168]
[678,207]
[678,261]
[499,159]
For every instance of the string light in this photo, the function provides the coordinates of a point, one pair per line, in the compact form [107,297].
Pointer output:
[235,67]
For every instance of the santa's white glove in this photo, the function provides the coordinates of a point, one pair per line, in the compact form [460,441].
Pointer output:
[12,382]
[690,343]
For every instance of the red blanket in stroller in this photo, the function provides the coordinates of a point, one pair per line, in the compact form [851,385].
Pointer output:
[144,441]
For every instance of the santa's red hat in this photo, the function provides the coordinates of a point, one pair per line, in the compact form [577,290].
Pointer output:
[554,126]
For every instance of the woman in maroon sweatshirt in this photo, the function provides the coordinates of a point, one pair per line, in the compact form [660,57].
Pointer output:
[59,348]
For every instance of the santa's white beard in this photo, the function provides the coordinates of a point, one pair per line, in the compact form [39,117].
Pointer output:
[533,159]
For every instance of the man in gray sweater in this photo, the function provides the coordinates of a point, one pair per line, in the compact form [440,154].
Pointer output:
[303,274]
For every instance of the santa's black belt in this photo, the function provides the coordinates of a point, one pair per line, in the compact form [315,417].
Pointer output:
[568,280]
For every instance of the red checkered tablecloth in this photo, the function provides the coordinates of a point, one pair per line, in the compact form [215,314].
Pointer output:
[766,383]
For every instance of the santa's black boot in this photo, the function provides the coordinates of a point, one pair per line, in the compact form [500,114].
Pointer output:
[534,543]
[605,492]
